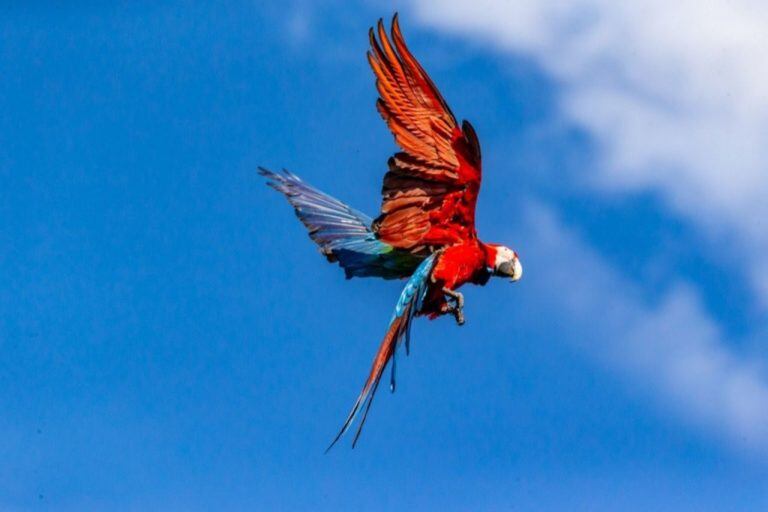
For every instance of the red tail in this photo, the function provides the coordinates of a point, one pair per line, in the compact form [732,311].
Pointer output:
[386,350]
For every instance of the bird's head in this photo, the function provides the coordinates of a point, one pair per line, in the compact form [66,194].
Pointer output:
[503,262]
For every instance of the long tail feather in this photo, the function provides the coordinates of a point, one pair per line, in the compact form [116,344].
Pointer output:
[408,305]
[384,354]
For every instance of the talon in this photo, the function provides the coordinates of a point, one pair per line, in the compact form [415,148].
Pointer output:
[459,315]
[458,307]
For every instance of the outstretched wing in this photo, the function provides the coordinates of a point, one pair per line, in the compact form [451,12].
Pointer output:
[342,233]
[399,330]
[431,187]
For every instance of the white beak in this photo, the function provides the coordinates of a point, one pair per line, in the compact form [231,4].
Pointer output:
[517,270]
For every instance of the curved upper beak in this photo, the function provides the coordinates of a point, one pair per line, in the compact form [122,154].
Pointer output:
[512,269]
[517,270]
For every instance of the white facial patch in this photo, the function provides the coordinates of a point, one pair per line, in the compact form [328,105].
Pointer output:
[503,255]
[507,263]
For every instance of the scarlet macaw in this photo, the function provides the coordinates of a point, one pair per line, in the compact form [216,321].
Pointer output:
[426,229]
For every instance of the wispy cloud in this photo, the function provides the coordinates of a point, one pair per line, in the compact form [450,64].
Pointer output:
[298,25]
[671,347]
[673,94]
[675,98]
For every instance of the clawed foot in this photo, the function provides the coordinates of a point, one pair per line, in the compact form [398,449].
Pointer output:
[456,306]
[458,314]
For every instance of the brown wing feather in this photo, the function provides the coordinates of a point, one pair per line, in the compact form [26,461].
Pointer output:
[429,191]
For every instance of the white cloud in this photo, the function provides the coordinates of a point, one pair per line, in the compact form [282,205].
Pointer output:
[675,97]
[672,348]
[675,94]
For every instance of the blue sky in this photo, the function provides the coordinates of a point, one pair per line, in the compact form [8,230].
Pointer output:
[171,340]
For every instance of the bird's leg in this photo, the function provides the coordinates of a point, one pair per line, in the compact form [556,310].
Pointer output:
[457,308]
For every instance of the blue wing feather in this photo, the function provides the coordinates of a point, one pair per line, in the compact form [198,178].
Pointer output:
[343,234]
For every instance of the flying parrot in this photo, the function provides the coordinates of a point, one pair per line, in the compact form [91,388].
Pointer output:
[426,229]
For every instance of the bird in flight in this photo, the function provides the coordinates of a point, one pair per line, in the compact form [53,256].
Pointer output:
[426,229]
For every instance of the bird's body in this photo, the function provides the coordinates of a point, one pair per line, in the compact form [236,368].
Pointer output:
[426,229]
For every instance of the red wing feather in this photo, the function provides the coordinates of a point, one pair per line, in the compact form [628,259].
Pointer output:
[431,187]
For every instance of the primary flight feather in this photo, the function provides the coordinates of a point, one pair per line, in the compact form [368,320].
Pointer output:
[426,228]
